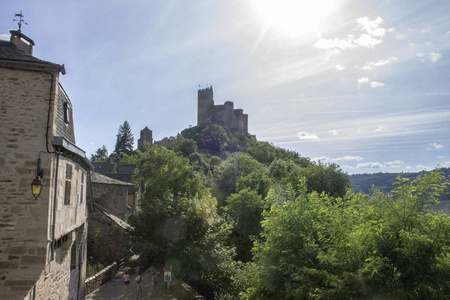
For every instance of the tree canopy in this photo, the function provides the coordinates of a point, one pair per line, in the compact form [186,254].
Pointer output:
[125,140]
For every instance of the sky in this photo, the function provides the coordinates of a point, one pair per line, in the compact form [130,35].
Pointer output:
[363,84]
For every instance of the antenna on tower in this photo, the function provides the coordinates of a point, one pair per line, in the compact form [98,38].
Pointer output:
[21,16]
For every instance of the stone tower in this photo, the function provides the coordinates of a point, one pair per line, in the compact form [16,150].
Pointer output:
[146,138]
[205,106]
[224,115]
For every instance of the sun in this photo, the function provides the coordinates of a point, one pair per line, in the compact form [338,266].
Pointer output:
[294,17]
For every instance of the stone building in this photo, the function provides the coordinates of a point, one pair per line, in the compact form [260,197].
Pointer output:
[42,236]
[145,139]
[107,218]
[224,115]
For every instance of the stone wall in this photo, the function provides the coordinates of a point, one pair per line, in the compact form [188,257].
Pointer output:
[106,239]
[27,269]
[92,283]
[23,220]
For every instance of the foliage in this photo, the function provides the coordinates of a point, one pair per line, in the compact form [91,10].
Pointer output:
[320,247]
[177,219]
[214,137]
[100,155]
[239,167]
[125,140]
[321,178]
[245,210]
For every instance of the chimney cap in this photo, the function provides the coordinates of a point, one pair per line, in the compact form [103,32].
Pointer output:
[19,34]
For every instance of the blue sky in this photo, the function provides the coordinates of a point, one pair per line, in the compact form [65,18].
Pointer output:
[364,84]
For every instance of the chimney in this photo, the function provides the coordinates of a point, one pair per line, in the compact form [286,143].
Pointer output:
[22,41]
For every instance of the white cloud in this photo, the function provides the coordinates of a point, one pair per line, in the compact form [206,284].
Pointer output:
[380,63]
[333,132]
[338,159]
[434,57]
[396,163]
[4,37]
[335,43]
[375,84]
[372,165]
[380,128]
[363,80]
[348,158]
[340,67]
[422,167]
[367,41]
[370,38]
[436,145]
[372,26]
[306,136]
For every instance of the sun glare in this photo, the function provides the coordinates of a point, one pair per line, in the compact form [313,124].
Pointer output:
[294,17]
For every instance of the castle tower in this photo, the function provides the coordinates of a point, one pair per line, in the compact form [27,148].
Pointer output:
[205,106]
[146,138]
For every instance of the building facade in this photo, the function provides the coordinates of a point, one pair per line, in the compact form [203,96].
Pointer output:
[42,239]
[224,115]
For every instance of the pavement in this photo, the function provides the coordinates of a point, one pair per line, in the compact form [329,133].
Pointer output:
[115,290]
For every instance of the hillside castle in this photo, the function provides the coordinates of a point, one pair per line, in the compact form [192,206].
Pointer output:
[224,115]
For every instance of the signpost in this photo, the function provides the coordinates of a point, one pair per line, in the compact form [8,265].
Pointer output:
[168,275]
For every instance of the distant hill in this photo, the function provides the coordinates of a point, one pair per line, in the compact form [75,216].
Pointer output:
[363,183]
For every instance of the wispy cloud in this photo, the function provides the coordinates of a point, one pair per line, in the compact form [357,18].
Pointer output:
[436,146]
[333,132]
[338,159]
[372,35]
[434,57]
[340,68]
[380,128]
[363,80]
[377,165]
[370,165]
[304,136]
[395,163]
[370,65]
[4,37]
[376,84]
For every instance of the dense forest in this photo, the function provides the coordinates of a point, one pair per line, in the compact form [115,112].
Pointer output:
[241,218]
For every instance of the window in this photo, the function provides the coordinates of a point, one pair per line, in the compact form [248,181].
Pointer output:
[82,188]
[73,256]
[68,185]
[67,112]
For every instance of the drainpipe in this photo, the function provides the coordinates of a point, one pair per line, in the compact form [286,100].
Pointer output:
[55,195]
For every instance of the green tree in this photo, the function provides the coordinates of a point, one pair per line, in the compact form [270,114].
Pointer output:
[125,140]
[245,209]
[321,178]
[100,155]
[178,222]
[238,166]
[390,246]
[214,137]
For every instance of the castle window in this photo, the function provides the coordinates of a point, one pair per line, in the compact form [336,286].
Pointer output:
[68,184]
[67,112]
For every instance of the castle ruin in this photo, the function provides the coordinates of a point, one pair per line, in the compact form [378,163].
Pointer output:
[224,115]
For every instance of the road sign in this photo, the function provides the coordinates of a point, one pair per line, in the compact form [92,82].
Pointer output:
[167,276]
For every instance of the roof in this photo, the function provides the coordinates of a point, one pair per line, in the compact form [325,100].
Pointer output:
[11,53]
[99,178]
[113,217]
